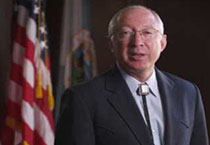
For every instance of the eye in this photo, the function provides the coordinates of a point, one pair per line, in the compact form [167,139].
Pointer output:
[124,33]
[147,32]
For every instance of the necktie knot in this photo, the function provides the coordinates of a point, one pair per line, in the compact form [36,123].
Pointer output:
[143,89]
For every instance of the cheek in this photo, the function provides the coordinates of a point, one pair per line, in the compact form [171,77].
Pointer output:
[154,47]
[155,51]
[120,48]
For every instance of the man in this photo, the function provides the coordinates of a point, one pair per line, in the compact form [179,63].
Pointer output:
[112,110]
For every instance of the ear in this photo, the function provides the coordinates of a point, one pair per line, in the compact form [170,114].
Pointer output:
[163,42]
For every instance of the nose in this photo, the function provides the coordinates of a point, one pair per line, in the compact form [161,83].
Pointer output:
[137,39]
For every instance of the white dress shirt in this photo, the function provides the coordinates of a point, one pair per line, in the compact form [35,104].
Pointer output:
[154,104]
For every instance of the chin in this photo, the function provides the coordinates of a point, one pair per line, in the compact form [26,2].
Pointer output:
[136,68]
[133,66]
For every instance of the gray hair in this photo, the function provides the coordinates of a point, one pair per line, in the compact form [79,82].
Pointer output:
[115,18]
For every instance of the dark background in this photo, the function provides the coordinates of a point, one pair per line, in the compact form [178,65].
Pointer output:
[186,24]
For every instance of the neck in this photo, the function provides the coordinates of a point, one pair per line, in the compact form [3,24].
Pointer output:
[140,75]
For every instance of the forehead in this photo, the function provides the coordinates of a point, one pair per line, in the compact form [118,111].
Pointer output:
[137,17]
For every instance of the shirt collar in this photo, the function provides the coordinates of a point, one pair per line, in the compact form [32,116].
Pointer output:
[133,83]
[153,85]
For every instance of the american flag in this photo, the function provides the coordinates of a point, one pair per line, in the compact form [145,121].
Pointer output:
[29,104]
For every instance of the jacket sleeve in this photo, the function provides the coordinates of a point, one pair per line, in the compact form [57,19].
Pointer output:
[75,126]
[199,133]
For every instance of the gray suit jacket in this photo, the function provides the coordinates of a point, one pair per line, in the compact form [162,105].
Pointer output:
[103,112]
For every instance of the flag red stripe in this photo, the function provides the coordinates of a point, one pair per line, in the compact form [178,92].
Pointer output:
[22,39]
[28,93]
[27,133]
[16,73]
[14,110]
[8,138]
[20,34]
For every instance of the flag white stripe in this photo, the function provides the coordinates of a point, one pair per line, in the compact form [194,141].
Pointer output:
[15,92]
[18,138]
[43,127]
[22,16]
[18,54]
[44,72]
[31,30]
[28,72]
[28,114]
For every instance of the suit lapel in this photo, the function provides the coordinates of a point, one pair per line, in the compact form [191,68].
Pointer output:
[170,101]
[123,102]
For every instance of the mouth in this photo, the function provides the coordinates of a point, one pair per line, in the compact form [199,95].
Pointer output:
[137,56]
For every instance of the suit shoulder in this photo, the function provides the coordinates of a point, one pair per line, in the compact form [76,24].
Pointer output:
[90,88]
[178,80]
[188,90]
[90,84]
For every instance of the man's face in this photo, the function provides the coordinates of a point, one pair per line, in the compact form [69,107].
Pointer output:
[137,41]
